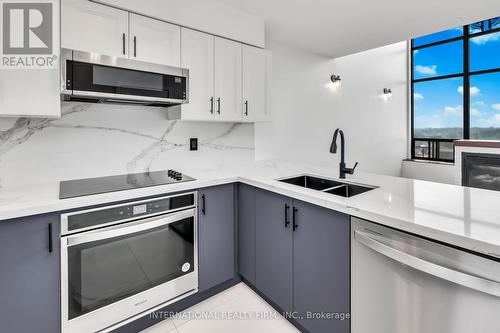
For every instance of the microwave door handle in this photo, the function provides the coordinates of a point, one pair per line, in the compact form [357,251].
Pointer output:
[124,101]
[129,228]
[467,280]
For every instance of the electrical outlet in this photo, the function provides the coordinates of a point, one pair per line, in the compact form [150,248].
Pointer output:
[193,144]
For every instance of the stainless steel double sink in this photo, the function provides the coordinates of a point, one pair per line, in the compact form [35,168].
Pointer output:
[330,186]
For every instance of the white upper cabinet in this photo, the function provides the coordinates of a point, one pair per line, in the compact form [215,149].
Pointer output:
[92,27]
[198,56]
[29,92]
[255,84]
[211,16]
[88,26]
[228,80]
[154,41]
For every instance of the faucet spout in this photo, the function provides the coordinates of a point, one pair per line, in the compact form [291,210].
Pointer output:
[333,150]
[333,147]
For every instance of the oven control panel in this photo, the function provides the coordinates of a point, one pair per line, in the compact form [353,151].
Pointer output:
[139,209]
[104,216]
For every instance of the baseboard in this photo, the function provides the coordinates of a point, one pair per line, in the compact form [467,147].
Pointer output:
[151,320]
[275,306]
[183,304]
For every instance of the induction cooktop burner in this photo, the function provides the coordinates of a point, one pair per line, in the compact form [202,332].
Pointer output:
[89,186]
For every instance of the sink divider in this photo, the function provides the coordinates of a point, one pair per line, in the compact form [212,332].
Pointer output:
[334,187]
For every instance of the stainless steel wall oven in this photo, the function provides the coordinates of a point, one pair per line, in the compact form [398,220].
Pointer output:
[121,262]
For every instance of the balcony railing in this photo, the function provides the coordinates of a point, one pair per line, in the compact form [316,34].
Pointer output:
[432,149]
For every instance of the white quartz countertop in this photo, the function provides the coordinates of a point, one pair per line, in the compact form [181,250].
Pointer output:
[464,217]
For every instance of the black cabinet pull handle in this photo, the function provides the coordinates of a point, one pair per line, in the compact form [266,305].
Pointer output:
[218,105]
[123,43]
[203,205]
[211,105]
[287,221]
[135,46]
[294,218]
[246,108]
[51,245]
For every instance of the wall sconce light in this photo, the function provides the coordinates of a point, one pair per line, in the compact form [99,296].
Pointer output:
[387,93]
[336,81]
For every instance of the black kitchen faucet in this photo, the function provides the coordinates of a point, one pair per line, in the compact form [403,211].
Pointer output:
[333,150]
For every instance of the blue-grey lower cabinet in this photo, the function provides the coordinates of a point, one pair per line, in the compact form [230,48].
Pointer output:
[302,258]
[274,248]
[246,232]
[30,274]
[216,231]
[321,278]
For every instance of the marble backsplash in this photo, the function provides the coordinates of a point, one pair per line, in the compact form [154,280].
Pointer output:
[92,140]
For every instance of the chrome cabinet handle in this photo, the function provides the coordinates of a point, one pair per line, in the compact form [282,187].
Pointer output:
[211,105]
[246,108]
[474,282]
[218,105]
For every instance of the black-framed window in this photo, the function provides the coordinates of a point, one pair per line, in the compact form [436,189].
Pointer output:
[455,88]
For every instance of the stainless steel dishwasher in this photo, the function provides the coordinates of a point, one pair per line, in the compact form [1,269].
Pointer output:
[405,284]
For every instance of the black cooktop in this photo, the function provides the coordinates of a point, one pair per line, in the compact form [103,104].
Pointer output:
[89,186]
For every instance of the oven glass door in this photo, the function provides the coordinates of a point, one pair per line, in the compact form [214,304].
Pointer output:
[111,264]
[122,81]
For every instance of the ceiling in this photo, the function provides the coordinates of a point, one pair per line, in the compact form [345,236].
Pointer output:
[341,27]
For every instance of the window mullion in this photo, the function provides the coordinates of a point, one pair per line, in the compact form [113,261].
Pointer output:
[466,108]
[412,101]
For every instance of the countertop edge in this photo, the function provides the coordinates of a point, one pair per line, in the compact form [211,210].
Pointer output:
[471,244]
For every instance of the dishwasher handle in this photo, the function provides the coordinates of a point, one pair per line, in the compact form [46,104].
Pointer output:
[474,282]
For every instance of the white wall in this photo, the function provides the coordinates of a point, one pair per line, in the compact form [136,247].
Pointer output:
[306,110]
[430,171]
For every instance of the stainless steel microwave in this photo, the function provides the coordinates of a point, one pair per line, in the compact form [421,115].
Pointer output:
[94,77]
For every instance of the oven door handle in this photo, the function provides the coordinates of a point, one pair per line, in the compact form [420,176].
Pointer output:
[128,228]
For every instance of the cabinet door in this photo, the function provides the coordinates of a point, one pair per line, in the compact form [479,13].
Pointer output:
[321,267]
[216,236]
[274,248]
[246,232]
[197,55]
[255,84]
[88,26]
[228,80]
[29,278]
[155,41]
